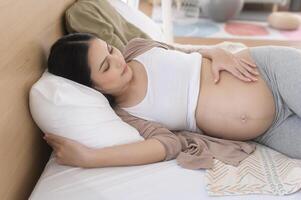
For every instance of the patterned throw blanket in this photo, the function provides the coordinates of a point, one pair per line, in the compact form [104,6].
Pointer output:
[264,172]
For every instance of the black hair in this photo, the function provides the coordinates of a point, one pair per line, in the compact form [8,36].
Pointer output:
[68,58]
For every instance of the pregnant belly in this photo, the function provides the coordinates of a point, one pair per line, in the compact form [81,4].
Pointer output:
[233,109]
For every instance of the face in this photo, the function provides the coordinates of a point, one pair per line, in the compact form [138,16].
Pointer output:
[109,72]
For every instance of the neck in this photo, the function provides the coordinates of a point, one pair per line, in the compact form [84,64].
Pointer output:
[122,95]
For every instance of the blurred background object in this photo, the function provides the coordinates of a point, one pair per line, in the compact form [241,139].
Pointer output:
[191,8]
[188,20]
[284,20]
[295,5]
[221,10]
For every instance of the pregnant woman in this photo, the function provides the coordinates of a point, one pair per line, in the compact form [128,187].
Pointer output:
[212,91]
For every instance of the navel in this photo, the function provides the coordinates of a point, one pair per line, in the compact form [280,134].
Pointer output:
[243,118]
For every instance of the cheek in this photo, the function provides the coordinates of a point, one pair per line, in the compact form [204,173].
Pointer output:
[110,80]
[120,57]
[95,79]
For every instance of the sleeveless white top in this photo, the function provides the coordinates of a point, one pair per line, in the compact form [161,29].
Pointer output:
[172,88]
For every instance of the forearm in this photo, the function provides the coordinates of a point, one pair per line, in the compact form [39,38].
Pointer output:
[144,152]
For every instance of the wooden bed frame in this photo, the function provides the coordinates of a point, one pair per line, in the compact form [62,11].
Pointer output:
[28,29]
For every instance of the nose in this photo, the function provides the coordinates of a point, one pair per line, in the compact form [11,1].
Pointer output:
[114,60]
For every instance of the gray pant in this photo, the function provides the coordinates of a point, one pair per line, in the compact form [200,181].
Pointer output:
[280,67]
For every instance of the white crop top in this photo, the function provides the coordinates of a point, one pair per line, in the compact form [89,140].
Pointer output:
[172,88]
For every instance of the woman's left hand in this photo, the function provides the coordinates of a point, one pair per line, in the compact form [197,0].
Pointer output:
[67,151]
[239,67]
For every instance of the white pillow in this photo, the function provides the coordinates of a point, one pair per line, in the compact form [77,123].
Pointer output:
[75,111]
[139,19]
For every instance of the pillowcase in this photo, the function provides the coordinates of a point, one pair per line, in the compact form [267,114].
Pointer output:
[69,109]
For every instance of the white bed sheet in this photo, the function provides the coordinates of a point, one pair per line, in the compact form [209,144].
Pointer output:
[163,180]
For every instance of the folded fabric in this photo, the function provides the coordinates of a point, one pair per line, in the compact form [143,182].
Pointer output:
[192,150]
[101,19]
[199,151]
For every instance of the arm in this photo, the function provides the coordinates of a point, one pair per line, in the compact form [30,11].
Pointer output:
[159,144]
[138,153]
[73,153]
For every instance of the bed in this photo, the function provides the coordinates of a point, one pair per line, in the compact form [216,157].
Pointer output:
[27,168]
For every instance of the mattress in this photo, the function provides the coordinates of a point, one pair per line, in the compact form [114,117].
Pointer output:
[163,180]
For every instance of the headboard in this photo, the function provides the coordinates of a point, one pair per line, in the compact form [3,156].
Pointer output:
[28,28]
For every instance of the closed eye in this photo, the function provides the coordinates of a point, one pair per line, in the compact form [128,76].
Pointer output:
[110,49]
[107,67]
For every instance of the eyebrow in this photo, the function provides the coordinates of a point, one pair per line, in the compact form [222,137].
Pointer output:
[103,59]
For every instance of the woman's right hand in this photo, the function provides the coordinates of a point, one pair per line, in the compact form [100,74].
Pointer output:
[69,152]
[241,68]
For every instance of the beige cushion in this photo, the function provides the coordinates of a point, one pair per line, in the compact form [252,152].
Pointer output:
[284,20]
[101,19]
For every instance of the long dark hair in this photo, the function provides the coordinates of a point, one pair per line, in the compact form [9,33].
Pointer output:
[68,58]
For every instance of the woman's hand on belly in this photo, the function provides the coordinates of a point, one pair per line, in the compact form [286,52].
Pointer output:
[236,65]
[233,109]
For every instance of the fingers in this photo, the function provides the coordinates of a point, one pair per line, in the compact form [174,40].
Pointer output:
[239,71]
[55,146]
[56,149]
[215,75]
[239,67]
[53,141]
[56,143]
[246,74]
[233,71]
[54,138]
[248,62]
[249,69]
[243,66]
[239,75]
